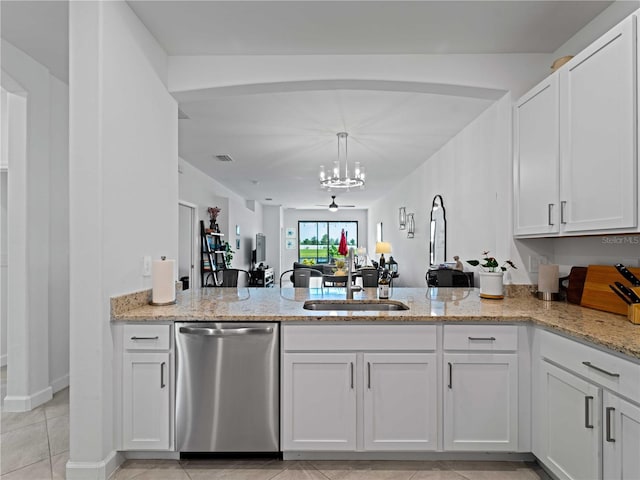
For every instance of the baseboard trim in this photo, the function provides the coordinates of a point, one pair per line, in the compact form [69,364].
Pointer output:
[102,470]
[453,456]
[60,383]
[13,403]
[151,455]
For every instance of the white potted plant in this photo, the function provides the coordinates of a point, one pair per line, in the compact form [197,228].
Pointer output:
[491,276]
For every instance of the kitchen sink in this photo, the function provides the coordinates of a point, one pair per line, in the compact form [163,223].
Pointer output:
[355,305]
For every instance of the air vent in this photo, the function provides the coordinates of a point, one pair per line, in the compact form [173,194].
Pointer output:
[224,158]
[182,115]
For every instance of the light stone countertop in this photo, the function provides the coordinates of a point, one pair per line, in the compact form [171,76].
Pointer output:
[608,330]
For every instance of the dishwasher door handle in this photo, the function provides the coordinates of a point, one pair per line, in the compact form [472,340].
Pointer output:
[224,332]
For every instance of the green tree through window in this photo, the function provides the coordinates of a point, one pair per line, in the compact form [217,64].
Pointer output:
[325,250]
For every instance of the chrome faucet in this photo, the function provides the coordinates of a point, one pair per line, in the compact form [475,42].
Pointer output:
[351,288]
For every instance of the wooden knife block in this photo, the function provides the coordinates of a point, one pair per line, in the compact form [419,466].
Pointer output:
[634,310]
[597,294]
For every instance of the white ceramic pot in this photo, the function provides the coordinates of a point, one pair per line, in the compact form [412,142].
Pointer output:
[491,285]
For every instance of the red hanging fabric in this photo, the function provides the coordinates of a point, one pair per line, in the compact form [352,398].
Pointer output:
[342,248]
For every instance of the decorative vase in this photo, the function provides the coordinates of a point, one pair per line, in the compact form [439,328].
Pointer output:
[491,285]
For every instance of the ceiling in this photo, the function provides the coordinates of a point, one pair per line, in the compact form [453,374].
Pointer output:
[279,139]
[363,27]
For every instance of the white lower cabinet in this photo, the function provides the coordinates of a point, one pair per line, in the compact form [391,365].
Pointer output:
[399,407]
[586,411]
[400,401]
[621,439]
[319,400]
[480,401]
[146,401]
[359,388]
[570,424]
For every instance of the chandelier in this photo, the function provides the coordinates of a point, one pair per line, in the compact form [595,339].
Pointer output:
[334,179]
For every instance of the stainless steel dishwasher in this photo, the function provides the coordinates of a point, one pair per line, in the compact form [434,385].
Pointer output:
[227,387]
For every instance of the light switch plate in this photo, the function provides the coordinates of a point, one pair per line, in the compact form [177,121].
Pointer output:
[146,266]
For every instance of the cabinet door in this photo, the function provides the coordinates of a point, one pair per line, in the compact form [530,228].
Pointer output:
[481,402]
[145,390]
[621,439]
[400,401]
[598,134]
[569,424]
[319,401]
[536,165]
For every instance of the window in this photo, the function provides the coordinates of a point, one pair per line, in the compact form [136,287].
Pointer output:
[318,241]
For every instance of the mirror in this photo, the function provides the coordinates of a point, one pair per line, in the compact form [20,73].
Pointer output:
[438,232]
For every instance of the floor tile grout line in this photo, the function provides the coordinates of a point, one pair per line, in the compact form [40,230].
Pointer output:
[46,426]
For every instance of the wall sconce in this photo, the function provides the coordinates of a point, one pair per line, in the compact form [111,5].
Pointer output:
[411,226]
[402,218]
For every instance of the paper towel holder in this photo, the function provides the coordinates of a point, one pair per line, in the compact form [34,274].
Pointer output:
[162,304]
[550,297]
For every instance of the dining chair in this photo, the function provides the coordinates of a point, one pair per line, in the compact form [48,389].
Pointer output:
[301,277]
[369,277]
[230,277]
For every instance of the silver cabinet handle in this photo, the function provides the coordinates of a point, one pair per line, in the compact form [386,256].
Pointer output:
[224,332]
[145,338]
[608,437]
[369,375]
[601,370]
[587,414]
[162,384]
[351,366]
[490,339]
[450,374]
[563,203]
[549,208]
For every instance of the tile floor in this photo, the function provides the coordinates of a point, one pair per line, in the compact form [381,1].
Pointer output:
[35,446]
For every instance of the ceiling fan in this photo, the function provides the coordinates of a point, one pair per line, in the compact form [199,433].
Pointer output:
[333,206]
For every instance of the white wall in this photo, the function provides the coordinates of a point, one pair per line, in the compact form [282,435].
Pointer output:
[472,172]
[272,218]
[37,232]
[59,236]
[4,160]
[198,188]
[123,202]
[292,216]
[3,268]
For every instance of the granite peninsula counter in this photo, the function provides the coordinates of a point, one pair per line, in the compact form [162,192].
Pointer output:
[611,331]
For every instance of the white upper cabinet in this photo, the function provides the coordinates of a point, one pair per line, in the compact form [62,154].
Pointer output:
[536,166]
[575,155]
[598,134]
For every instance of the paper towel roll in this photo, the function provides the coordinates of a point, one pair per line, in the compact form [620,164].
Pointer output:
[548,278]
[163,284]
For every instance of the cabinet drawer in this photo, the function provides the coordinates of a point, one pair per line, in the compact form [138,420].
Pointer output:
[359,337]
[615,373]
[481,337]
[147,337]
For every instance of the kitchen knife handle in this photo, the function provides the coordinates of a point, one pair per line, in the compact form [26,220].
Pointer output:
[587,414]
[601,370]
[563,203]
[549,208]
